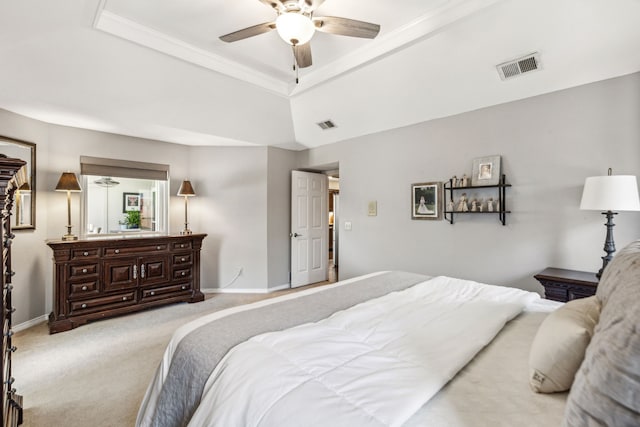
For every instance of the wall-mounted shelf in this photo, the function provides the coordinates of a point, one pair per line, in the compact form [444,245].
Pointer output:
[501,209]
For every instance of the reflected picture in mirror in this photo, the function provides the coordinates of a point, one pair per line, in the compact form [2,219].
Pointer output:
[24,213]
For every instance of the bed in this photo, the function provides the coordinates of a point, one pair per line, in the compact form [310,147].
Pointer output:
[388,348]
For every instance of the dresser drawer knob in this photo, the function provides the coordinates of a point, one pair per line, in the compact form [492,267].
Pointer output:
[85,253]
[124,298]
[84,306]
[183,259]
[182,245]
[158,248]
[184,287]
[117,251]
[183,273]
[84,288]
[152,293]
[84,270]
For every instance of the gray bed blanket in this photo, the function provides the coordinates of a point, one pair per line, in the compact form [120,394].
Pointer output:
[200,351]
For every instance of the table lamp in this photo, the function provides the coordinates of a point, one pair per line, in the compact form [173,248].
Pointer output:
[186,190]
[68,182]
[610,193]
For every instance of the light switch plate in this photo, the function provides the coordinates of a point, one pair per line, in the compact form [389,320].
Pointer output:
[373,208]
[347,225]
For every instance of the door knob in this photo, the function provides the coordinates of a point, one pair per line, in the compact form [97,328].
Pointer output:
[296,235]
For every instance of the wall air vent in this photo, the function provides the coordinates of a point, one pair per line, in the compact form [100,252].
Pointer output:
[519,66]
[327,124]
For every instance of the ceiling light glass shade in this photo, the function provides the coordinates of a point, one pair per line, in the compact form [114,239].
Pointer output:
[610,193]
[106,182]
[295,28]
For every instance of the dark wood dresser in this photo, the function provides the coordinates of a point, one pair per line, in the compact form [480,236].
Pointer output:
[11,402]
[565,285]
[99,278]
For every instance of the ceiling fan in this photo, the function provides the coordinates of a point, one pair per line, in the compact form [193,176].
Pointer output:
[296,25]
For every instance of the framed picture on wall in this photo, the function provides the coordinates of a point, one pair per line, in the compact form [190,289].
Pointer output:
[426,200]
[486,171]
[131,202]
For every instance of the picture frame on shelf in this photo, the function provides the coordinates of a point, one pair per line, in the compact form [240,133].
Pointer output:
[426,201]
[131,202]
[486,171]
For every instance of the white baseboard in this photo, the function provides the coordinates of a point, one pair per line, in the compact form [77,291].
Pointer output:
[244,291]
[29,323]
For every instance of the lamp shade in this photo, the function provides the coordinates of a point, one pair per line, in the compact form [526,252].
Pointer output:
[610,193]
[68,182]
[186,189]
[295,28]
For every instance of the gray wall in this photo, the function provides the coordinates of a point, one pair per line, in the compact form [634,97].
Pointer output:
[548,144]
[231,205]
[280,164]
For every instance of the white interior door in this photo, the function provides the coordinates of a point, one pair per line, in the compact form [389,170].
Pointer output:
[309,228]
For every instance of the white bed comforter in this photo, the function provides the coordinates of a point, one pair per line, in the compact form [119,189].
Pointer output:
[373,364]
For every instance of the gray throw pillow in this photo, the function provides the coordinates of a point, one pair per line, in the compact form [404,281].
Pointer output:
[606,390]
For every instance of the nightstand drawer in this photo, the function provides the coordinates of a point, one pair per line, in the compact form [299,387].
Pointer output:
[566,285]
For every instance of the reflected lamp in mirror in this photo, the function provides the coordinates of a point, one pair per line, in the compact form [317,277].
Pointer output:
[610,193]
[23,194]
[186,190]
[69,182]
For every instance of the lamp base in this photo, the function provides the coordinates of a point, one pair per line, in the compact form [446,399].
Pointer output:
[68,237]
[186,231]
[609,244]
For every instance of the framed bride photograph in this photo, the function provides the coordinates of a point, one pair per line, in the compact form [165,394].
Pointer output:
[426,200]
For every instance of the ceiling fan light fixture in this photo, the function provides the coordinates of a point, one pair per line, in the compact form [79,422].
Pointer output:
[295,28]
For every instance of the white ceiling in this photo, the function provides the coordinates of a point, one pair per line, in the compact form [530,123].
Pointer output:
[156,69]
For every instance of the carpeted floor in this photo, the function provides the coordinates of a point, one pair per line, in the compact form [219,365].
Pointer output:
[97,374]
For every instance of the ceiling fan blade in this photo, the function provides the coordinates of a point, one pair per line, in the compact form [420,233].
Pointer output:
[274,4]
[302,53]
[313,4]
[346,27]
[248,32]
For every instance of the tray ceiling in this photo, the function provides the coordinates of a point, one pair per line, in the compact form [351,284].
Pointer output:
[158,70]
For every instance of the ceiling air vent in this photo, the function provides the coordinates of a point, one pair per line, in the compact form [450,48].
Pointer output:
[327,124]
[519,66]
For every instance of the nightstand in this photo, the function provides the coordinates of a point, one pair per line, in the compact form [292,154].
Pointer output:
[565,285]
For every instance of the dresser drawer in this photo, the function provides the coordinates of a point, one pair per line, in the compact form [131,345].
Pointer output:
[80,271]
[182,259]
[164,291]
[182,273]
[80,254]
[84,289]
[181,245]
[102,303]
[135,250]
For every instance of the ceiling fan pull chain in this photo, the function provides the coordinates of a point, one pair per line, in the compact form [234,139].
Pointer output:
[295,68]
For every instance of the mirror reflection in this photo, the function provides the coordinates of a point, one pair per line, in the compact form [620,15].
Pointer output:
[25,196]
[116,205]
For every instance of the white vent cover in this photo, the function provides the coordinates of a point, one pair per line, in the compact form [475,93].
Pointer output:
[327,124]
[519,66]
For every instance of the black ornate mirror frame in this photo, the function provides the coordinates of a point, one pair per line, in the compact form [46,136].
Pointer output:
[30,222]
